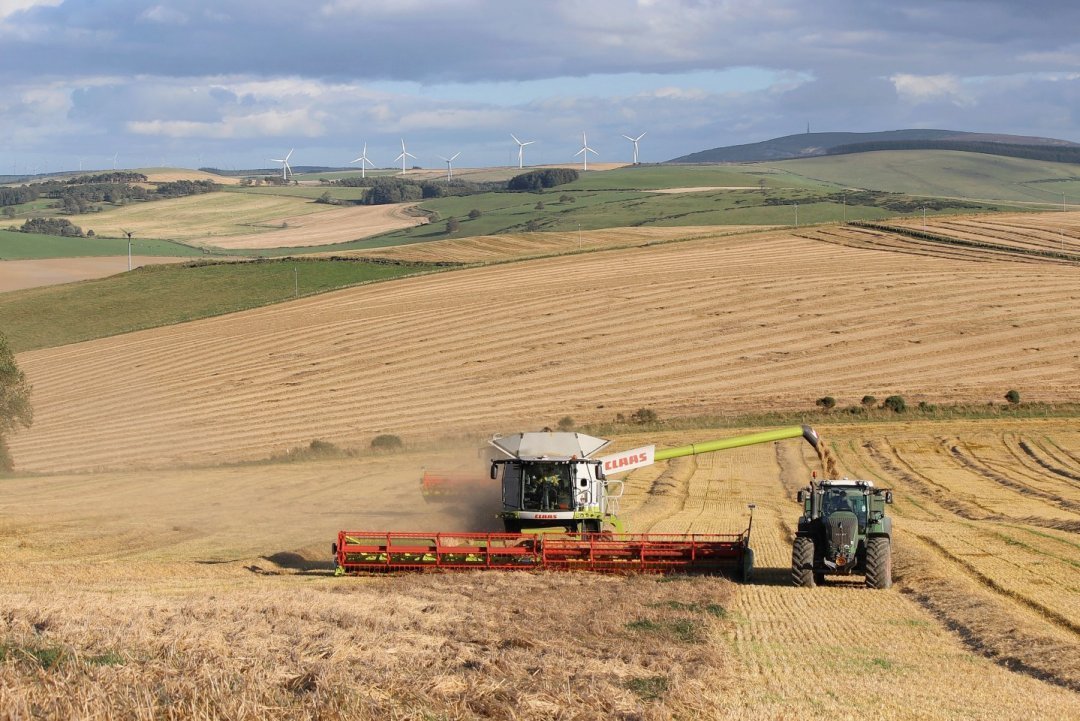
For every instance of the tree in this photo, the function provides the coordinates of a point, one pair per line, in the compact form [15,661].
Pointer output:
[326,199]
[15,410]
[869,401]
[474,214]
[828,402]
[539,205]
[1013,397]
[452,224]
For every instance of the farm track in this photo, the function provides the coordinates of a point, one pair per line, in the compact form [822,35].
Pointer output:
[430,355]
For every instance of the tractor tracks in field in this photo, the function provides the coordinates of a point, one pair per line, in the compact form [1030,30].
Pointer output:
[1031,453]
[967,458]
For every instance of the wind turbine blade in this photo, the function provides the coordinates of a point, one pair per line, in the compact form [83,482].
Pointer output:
[515,139]
[290,153]
[529,143]
[445,160]
[399,157]
[452,157]
[580,152]
[411,155]
[642,135]
[629,138]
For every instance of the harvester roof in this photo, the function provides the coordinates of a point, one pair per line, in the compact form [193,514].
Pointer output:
[552,446]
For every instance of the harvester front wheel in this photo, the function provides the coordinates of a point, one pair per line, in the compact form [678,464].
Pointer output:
[879,562]
[802,562]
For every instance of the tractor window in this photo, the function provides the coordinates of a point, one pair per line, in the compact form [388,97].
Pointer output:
[839,499]
[546,487]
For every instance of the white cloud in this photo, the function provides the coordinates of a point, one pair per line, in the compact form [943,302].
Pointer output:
[9,7]
[271,123]
[164,16]
[916,89]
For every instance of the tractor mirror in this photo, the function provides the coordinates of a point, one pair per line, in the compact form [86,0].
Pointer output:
[888,496]
[584,482]
[802,497]
[494,471]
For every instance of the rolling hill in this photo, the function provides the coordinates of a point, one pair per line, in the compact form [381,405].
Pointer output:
[807,145]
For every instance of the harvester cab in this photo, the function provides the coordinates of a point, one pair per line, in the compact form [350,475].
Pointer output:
[549,482]
[843,530]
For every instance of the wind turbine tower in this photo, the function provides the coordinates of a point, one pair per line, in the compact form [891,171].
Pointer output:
[285,167]
[586,150]
[449,165]
[521,149]
[635,142]
[363,160]
[404,154]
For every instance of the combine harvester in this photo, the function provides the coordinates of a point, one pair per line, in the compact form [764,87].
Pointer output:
[558,506]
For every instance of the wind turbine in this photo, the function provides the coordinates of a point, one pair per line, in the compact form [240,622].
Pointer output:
[635,142]
[128,233]
[404,154]
[585,149]
[114,157]
[521,149]
[363,160]
[285,167]
[449,165]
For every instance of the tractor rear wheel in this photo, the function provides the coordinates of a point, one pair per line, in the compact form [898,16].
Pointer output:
[802,562]
[879,562]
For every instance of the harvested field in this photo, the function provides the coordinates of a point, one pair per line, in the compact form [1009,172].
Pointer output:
[339,225]
[680,328]
[492,248]
[1042,231]
[20,274]
[203,217]
[206,593]
[171,175]
[975,240]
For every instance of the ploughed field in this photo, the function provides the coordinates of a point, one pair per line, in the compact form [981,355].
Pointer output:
[208,592]
[727,324]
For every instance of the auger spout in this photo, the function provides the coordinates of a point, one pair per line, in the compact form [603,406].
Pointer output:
[750,439]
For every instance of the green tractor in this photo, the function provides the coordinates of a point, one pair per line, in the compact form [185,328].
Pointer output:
[843,530]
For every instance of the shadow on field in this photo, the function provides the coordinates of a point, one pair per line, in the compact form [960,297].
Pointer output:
[294,561]
[770,577]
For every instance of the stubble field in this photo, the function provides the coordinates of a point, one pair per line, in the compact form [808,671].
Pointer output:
[142,578]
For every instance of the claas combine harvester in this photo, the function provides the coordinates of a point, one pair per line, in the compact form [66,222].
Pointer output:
[559,511]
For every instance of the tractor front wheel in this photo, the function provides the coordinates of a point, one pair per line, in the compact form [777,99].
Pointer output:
[879,562]
[802,562]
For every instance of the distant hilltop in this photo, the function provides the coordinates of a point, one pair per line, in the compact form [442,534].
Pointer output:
[809,145]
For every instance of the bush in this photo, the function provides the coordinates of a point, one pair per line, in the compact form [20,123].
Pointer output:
[868,401]
[566,198]
[566,423]
[539,206]
[474,214]
[452,225]
[1013,397]
[533,225]
[895,404]
[386,442]
[828,402]
[644,415]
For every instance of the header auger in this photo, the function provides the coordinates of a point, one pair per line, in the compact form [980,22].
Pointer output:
[560,511]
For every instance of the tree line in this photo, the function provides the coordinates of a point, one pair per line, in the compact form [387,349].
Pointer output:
[384,190]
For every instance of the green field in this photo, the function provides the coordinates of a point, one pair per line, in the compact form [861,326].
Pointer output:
[30,246]
[943,173]
[165,294]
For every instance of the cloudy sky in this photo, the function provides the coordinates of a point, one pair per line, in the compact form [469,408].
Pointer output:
[232,83]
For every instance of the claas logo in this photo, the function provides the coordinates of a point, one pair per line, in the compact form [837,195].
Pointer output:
[616,463]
